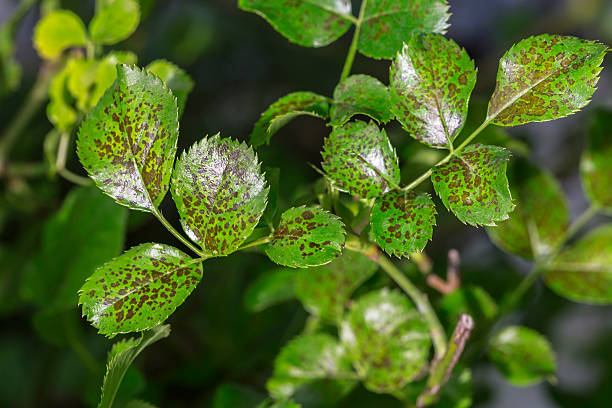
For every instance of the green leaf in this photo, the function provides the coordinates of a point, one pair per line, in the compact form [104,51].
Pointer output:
[545,77]
[359,158]
[59,110]
[431,82]
[541,217]
[220,193]
[269,289]
[522,355]
[235,396]
[473,185]
[305,359]
[305,237]
[175,78]
[127,143]
[360,94]
[138,404]
[402,222]
[596,163]
[106,73]
[57,31]
[286,109]
[309,23]
[115,20]
[121,357]
[139,289]
[325,290]
[472,300]
[387,24]
[387,340]
[583,271]
[279,404]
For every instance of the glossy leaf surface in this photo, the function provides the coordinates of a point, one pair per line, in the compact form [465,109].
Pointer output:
[596,163]
[324,290]
[431,82]
[356,156]
[127,143]
[305,237]
[522,355]
[360,94]
[473,185]
[387,340]
[139,289]
[270,288]
[57,31]
[219,192]
[284,110]
[402,222]
[545,77]
[387,24]
[310,23]
[115,20]
[175,78]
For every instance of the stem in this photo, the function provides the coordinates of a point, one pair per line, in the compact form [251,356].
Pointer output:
[259,241]
[350,57]
[177,234]
[60,162]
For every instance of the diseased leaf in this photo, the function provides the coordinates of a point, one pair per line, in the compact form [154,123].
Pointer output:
[325,290]
[310,23]
[356,156]
[473,185]
[175,78]
[583,271]
[139,289]
[270,288]
[545,77]
[305,237]
[286,109]
[388,23]
[541,217]
[115,20]
[305,359]
[387,340]
[360,94]
[127,143]
[596,163]
[431,82]
[58,30]
[220,193]
[402,222]
[106,73]
[522,355]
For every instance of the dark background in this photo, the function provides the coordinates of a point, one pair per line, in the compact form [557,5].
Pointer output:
[240,65]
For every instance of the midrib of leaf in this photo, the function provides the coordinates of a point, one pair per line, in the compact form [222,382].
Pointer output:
[346,17]
[579,267]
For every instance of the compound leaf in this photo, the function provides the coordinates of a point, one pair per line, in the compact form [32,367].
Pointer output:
[596,163]
[324,290]
[473,185]
[583,271]
[387,24]
[115,20]
[431,82]
[387,340]
[305,237]
[179,82]
[58,30]
[309,23]
[286,109]
[522,355]
[127,143]
[360,94]
[220,193]
[402,222]
[545,77]
[139,289]
[359,158]
[270,288]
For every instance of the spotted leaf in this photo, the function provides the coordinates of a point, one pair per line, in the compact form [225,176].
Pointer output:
[305,237]
[286,109]
[596,163]
[545,77]
[220,193]
[360,94]
[473,185]
[387,340]
[310,23]
[386,24]
[522,355]
[402,222]
[359,158]
[541,216]
[139,289]
[127,143]
[583,271]
[324,290]
[431,82]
